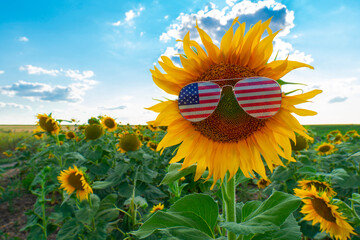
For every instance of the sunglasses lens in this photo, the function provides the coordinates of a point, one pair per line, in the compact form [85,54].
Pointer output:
[198,101]
[260,97]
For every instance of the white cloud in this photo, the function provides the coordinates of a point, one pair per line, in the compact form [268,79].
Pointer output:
[216,21]
[118,23]
[77,75]
[14,105]
[23,39]
[129,16]
[36,91]
[2,71]
[166,17]
[38,70]
[141,34]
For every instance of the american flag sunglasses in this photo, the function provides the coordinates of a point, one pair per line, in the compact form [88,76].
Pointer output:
[260,97]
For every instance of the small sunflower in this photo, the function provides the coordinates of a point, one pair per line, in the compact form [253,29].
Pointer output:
[70,135]
[74,179]
[152,145]
[229,138]
[48,124]
[325,149]
[93,131]
[158,207]
[109,123]
[128,142]
[318,209]
[351,134]
[38,133]
[300,144]
[263,183]
[335,137]
[320,186]
[152,127]
[7,154]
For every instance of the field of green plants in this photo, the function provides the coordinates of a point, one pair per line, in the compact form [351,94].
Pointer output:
[107,181]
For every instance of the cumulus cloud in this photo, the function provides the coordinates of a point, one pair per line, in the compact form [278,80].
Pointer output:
[23,39]
[14,105]
[129,16]
[2,71]
[216,21]
[45,92]
[38,70]
[36,91]
[338,99]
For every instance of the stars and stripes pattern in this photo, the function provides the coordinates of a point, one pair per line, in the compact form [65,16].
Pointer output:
[259,97]
[198,101]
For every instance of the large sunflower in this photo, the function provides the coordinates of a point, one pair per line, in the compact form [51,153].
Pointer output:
[320,186]
[229,139]
[74,179]
[318,209]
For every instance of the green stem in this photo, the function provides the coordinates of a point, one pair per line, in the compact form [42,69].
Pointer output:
[43,208]
[229,199]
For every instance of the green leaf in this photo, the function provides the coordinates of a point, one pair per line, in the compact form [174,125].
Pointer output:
[270,215]
[355,198]
[101,184]
[307,170]
[107,211]
[288,230]
[174,173]
[181,233]
[139,201]
[69,230]
[195,212]
[163,221]
[248,208]
[282,174]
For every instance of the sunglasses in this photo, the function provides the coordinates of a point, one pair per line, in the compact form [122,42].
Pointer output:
[260,97]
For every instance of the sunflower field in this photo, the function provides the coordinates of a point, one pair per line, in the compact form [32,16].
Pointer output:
[226,160]
[107,181]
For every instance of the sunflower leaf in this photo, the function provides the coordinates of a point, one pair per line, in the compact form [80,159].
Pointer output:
[281,82]
[174,173]
[194,215]
[269,216]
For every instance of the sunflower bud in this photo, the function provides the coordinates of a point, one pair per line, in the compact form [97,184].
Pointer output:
[93,131]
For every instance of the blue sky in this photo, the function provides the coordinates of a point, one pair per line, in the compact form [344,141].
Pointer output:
[79,59]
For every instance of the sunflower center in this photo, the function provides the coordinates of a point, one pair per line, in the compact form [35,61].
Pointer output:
[129,142]
[324,149]
[322,209]
[75,181]
[229,122]
[109,123]
[70,135]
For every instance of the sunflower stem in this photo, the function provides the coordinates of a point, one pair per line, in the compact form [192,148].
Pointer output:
[228,191]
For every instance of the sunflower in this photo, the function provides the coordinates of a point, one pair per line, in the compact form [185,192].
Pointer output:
[300,144]
[325,149]
[128,142]
[263,183]
[335,137]
[319,209]
[93,131]
[70,135]
[152,127]
[74,179]
[320,186]
[229,139]
[7,154]
[38,133]
[351,134]
[158,207]
[152,145]
[48,124]
[109,123]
